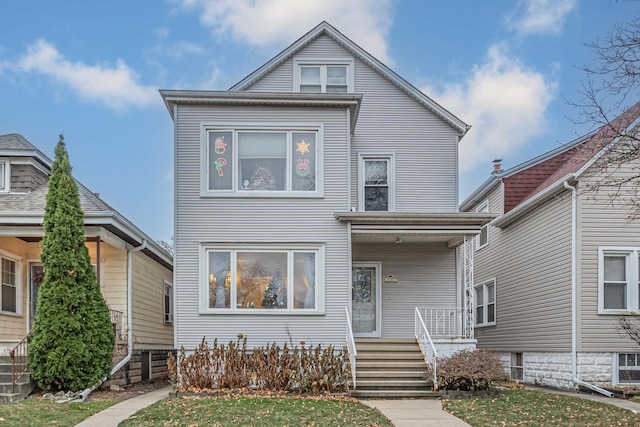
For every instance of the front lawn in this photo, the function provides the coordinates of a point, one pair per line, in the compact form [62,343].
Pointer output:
[40,412]
[532,408]
[257,411]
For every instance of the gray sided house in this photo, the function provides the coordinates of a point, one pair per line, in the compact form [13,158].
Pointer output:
[134,272]
[316,201]
[559,265]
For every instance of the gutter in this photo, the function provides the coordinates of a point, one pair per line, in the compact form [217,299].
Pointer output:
[574,294]
[84,393]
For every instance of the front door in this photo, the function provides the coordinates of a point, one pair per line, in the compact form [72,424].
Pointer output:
[365,299]
[36,276]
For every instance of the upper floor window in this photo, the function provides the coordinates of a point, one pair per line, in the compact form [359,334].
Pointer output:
[485,303]
[376,183]
[270,279]
[618,280]
[262,162]
[4,176]
[482,239]
[323,76]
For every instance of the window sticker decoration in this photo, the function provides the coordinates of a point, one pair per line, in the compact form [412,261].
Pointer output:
[303,147]
[220,146]
[219,164]
[302,168]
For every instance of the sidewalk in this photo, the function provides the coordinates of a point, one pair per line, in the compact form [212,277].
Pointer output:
[119,412]
[621,403]
[415,412]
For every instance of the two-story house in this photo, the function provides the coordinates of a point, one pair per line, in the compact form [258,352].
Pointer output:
[316,201]
[134,272]
[557,268]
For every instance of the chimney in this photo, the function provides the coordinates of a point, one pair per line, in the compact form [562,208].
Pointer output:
[497,166]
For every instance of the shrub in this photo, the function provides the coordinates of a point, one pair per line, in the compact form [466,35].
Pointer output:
[273,368]
[72,339]
[470,370]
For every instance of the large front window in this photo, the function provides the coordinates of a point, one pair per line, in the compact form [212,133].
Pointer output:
[251,161]
[261,279]
[619,280]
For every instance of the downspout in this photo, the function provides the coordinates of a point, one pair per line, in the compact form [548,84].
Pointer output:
[83,395]
[574,294]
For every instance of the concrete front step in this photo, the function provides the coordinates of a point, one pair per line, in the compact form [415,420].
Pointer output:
[7,377]
[390,355]
[393,384]
[392,365]
[10,397]
[409,374]
[395,394]
[5,367]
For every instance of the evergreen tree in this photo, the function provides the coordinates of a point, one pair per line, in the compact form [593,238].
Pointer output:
[72,339]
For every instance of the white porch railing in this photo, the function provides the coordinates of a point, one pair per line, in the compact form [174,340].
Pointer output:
[445,322]
[426,345]
[351,345]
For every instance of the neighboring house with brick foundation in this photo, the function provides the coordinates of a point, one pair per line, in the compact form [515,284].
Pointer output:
[316,201]
[559,265]
[134,272]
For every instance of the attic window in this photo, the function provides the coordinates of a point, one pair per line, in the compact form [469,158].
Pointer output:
[323,77]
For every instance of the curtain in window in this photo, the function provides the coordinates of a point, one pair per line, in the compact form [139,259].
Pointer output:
[310,274]
[221,263]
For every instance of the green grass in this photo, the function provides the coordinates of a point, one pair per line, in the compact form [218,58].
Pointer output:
[257,411]
[43,412]
[532,408]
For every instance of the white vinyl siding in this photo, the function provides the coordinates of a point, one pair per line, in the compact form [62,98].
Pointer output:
[267,220]
[485,303]
[618,280]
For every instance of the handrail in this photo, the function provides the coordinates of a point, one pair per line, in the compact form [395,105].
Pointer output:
[351,345]
[19,360]
[422,335]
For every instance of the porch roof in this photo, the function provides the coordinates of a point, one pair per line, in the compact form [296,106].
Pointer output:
[414,227]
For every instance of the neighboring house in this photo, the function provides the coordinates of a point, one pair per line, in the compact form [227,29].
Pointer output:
[134,272]
[322,185]
[557,268]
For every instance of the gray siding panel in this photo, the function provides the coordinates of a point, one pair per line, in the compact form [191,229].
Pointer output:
[601,224]
[426,278]
[531,261]
[264,220]
[425,147]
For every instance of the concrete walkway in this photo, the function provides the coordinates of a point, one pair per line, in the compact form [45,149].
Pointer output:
[114,415]
[621,403]
[415,412]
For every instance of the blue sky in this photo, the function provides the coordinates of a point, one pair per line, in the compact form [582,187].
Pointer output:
[92,70]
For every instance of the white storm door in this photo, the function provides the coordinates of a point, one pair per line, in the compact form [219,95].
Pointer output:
[365,299]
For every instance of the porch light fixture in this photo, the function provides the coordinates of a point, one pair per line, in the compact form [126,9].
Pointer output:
[398,239]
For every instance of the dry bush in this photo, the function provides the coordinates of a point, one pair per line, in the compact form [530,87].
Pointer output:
[470,370]
[273,368]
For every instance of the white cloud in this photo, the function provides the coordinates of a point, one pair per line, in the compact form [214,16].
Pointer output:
[540,16]
[117,87]
[265,22]
[505,103]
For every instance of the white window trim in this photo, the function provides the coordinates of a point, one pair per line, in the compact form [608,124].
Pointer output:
[482,207]
[485,299]
[615,374]
[168,317]
[6,175]
[318,249]
[206,127]
[391,158]
[633,306]
[300,62]
[19,284]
